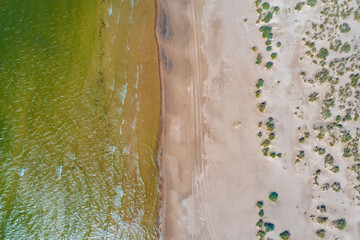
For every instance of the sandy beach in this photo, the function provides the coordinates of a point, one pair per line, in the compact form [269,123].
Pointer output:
[235,131]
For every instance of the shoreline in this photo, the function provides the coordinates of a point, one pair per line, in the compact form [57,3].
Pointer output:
[160,135]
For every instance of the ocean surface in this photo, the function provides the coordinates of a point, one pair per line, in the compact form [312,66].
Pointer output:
[79,119]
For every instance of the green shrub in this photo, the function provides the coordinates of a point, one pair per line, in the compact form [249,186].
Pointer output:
[301,154]
[266,32]
[261,213]
[323,53]
[285,235]
[262,106]
[322,219]
[335,169]
[267,17]
[354,79]
[268,42]
[258,93]
[347,152]
[344,28]
[254,49]
[261,233]
[346,137]
[269,65]
[260,223]
[266,143]
[320,233]
[322,208]
[273,196]
[278,44]
[268,49]
[269,227]
[311,3]
[345,48]
[339,223]
[259,204]
[260,83]
[329,159]
[273,154]
[270,126]
[258,59]
[259,134]
[265,5]
[265,151]
[299,6]
[273,55]
[257,3]
[272,136]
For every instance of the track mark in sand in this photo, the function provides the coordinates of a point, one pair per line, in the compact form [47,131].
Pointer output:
[199,177]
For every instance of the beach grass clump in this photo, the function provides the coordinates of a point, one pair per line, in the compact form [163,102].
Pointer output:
[273,55]
[259,134]
[339,223]
[344,28]
[313,97]
[258,59]
[262,106]
[254,49]
[273,154]
[299,6]
[273,196]
[320,233]
[285,235]
[322,219]
[336,186]
[269,65]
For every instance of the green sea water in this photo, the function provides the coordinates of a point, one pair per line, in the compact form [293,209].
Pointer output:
[79,116]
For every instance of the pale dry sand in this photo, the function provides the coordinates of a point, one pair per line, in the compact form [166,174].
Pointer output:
[214,173]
